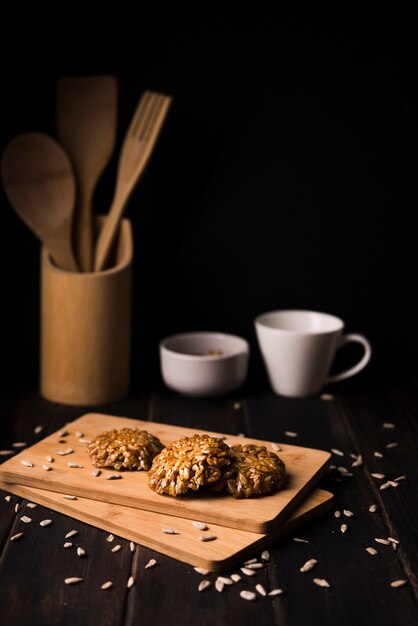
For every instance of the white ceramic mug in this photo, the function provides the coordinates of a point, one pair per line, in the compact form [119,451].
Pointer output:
[298,348]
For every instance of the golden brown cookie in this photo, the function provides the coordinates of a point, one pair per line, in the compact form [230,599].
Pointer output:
[188,464]
[254,471]
[126,448]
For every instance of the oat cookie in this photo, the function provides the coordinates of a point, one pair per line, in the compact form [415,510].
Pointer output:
[254,471]
[188,464]
[126,448]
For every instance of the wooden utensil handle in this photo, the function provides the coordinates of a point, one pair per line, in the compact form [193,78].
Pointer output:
[84,233]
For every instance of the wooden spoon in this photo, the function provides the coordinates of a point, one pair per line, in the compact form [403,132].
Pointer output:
[39,183]
[86,114]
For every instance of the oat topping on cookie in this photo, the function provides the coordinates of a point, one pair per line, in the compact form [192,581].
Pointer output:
[126,448]
[188,464]
[254,471]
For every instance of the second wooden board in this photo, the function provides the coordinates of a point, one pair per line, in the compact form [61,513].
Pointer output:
[71,474]
[231,546]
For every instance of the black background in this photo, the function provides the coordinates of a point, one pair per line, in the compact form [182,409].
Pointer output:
[285,176]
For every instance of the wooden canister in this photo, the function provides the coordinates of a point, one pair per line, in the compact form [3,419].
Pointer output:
[86,329]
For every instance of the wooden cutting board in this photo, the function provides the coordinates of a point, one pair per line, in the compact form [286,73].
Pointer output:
[231,547]
[304,467]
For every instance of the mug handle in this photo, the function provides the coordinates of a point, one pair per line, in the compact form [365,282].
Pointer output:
[360,365]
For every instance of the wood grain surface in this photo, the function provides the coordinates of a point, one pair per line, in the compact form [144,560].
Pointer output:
[33,569]
[304,468]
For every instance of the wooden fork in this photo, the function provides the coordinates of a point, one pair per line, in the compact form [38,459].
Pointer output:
[136,150]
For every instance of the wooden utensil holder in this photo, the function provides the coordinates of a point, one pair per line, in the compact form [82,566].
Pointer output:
[86,329]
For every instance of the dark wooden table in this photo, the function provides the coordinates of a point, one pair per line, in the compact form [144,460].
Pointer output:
[32,570]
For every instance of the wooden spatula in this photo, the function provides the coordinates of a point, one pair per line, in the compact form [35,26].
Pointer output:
[86,116]
[39,183]
[137,147]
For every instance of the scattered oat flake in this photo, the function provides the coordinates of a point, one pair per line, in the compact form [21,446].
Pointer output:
[96,473]
[265,555]
[132,546]
[49,458]
[200,525]
[17,507]
[378,455]
[78,433]
[392,540]
[393,444]
[384,542]
[25,519]
[73,581]
[378,476]
[388,425]
[225,580]
[204,584]
[7,498]
[45,522]
[290,433]
[247,571]
[337,452]
[337,513]
[107,585]
[68,544]
[113,477]
[84,441]
[19,444]
[372,508]
[306,567]
[299,540]
[241,435]
[6,452]
[276,447]
[398,583]
[384,486]
[72,533]
[110,538]
[249,561]
[219,585]
[276,592]
[236,578]
[76,465]
[81,552]
[170,531]
[261,590]
[236,405]
[398,478]
[68,497]
[38,429]
[207,537]
[116,548]
[326,396]
[256,566]
[63,433]
[393,483]
[201,570]
[321,582]
[131,582]
[343,528]
[16,537]
[358,462]
[46,467]
[27,463]
[372,551]
[247,595]
[348,513]
[31,505]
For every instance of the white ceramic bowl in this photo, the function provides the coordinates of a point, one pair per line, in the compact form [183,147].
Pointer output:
[204,364]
